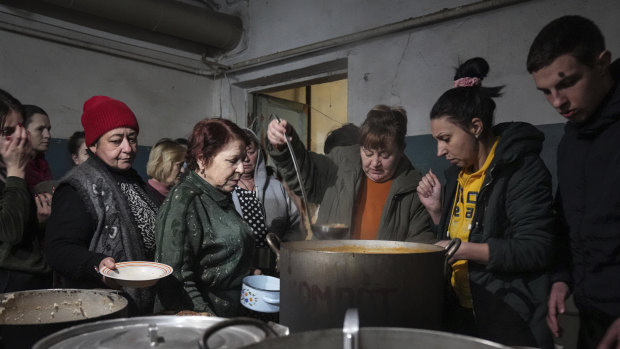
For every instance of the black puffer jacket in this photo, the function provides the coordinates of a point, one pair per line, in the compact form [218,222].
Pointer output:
[588,200]
[514,216]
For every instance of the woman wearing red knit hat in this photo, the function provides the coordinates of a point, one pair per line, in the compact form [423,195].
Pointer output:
[101,212]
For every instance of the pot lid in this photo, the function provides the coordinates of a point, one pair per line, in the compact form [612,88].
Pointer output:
[150,332]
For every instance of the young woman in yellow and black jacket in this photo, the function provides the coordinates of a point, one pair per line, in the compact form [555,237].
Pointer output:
[497,199]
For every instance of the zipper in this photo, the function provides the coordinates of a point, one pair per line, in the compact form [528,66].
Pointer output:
[454,203]
[476,220]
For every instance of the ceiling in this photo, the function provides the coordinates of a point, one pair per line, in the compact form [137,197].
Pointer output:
[176,33]
[190,23]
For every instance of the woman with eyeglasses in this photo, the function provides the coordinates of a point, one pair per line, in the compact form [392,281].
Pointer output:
[22,266]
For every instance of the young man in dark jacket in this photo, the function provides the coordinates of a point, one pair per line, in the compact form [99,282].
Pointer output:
[570,65]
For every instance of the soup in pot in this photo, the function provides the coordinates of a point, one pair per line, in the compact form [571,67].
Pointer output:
[373,250]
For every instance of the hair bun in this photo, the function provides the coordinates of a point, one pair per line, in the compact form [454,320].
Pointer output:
[472,68]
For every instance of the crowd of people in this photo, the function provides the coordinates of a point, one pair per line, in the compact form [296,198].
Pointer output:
[210,201]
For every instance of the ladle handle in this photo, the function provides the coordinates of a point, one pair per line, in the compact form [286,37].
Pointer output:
[269,332]
[296,166]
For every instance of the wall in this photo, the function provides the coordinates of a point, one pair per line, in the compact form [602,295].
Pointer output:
[60,78]
[411,68]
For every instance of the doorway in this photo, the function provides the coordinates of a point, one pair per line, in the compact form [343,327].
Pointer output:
[313,110]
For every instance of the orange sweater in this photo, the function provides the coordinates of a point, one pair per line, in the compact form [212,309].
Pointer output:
[368,210]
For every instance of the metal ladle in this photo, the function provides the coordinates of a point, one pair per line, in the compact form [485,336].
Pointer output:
[321,231]
[301,183]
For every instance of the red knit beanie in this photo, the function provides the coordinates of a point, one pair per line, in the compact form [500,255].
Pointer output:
[103,114]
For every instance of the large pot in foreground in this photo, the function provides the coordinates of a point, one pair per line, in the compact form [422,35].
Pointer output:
[28,316]
[351,336]
[163,332]
[377,338]
[393,284]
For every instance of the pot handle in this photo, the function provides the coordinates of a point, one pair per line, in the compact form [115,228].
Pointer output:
[452,247]
[274,243]
[350,329]
[269,332]
[273,301]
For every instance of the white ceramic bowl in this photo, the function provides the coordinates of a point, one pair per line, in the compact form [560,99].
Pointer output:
[137,274]
[261,293]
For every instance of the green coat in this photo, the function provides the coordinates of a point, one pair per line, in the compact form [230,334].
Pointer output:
[208,244]
[334,180]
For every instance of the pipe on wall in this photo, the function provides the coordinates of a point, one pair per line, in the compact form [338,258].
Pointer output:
[408,24]
[173,18]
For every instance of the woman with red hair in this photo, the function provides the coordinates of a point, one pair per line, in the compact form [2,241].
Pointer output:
[199,233]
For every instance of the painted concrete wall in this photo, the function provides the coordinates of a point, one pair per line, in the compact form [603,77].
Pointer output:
[411,68]
[59,78]
[276,25]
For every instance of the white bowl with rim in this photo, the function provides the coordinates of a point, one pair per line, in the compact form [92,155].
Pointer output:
[137,274]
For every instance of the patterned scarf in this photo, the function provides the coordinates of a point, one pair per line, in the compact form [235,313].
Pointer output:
[143,211]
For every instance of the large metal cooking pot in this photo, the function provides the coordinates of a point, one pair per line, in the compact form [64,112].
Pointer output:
[351,336]
[377,338]
[166,331]
[393,284]
[27,316]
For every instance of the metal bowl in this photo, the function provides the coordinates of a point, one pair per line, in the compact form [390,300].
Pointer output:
[28,316]
[332,231]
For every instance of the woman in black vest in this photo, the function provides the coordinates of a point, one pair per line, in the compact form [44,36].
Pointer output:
[101,212]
